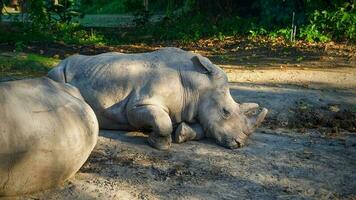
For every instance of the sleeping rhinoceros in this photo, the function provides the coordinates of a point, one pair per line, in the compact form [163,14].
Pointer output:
[47,132]
[160,91]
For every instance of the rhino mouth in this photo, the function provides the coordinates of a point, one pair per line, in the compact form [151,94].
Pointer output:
[232,143]
[235,136]
[225,139]
[235,144]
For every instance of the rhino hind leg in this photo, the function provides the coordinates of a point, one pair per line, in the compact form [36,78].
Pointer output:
[187,132]
[155,119]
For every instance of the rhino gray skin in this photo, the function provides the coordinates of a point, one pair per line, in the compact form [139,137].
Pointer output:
[159,91]
[47,132]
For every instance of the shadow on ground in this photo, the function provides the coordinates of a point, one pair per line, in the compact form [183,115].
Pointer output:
[275,165]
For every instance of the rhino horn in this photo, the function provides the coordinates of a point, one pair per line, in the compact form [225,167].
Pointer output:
[256,121]
[245,107]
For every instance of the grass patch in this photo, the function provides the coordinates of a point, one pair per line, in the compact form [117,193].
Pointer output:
[25,65]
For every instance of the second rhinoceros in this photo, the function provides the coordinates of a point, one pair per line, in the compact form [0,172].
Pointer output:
[47,132]
[161,91]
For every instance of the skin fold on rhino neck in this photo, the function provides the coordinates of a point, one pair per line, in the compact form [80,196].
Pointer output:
[208,124]
[190,100]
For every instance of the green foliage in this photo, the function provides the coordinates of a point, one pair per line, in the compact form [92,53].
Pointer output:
[133,5]
[75,34]
[257,32]
[39,18]
[312,34]
[195,27]
[46,19]
[43,14]
[277,13]
[68,33]
[62,12]
[274,20]
[188,20]
[19,46]
[102,6]
[48,23]
[336,24]
[283,32]
[142,17]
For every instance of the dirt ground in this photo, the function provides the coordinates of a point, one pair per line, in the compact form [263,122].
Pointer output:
[306,149]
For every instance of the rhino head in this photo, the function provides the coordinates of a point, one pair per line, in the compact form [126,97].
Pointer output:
[221,117]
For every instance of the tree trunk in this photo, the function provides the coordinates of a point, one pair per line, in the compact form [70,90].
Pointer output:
[145,4]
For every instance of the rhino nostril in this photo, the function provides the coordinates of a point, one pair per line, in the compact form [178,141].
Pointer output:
[235,144]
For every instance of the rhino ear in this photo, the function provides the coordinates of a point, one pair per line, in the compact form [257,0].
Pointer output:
[204,63]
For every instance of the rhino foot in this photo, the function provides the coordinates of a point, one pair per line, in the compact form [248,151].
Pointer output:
[161,143]
[185,132]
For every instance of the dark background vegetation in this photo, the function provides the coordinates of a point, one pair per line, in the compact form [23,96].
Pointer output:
[181,20]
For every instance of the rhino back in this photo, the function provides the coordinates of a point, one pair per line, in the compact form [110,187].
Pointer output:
[107,79]
[111,80]
[46,134]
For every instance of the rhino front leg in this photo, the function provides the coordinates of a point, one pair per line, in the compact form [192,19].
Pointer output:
[155,119]
[186,132]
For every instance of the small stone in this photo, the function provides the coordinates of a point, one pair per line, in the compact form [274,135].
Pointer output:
[334,108]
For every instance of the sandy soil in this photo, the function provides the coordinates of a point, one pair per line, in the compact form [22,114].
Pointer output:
[277,164]
[305,150]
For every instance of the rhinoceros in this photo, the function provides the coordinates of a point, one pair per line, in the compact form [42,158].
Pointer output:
[159,92]
[47,132]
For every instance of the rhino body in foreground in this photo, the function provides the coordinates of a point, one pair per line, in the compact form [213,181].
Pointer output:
[162,91]
[47,132]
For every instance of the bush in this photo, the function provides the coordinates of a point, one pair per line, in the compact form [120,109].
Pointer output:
[102,6]
[326,25]
[75,34]
[194,27]
[190,20]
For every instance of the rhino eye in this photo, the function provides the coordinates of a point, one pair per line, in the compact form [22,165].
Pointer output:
[225,113]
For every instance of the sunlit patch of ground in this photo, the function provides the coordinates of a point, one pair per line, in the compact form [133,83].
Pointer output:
[24,65]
